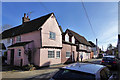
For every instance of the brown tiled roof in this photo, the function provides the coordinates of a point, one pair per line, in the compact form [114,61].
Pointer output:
[70,43]
[26,27]
[92,44]
[19,44]
[80,38]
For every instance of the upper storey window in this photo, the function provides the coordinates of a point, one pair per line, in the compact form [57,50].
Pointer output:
[18,38]
[73,39]
[52,35]
[67,38]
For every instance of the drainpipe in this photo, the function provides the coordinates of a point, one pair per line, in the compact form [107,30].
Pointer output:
[40,43]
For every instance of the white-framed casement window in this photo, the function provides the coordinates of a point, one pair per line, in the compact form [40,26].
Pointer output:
[8,40]
[57,54]
[73,39]
[19,52]
[51,54]
[52,35]
[13,40]
[18,38]
[82,47]
[67,54]
[67,37]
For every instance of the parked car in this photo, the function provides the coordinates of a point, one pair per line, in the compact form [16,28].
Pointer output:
[83,71]
[100,55]
[110,61]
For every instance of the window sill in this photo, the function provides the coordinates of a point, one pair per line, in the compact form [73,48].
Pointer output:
[67,57]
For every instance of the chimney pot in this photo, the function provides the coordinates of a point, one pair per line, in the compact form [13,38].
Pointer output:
[27,17]
[24,14]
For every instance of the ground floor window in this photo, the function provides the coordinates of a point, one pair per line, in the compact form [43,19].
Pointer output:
[87,54]
[67,54]
[51,54]
[19,52]
[58,54]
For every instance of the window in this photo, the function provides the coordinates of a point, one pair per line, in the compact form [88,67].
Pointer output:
[8,40]
[67,54]
[64,74]
[81,46]
[67,38]
[87,54]
[13,40]
[51,54]
[19,52]
[58,54]
[18,38]
[73,40]
[52,35]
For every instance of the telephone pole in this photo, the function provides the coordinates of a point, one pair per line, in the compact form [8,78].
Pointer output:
[119,45]
[96,47]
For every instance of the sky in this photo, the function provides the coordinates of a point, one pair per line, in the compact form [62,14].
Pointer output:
[70,15]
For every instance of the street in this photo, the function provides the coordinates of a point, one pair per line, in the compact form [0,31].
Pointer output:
[49,75]
[43,73]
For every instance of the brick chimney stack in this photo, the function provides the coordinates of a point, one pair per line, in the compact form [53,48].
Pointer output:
[25,19]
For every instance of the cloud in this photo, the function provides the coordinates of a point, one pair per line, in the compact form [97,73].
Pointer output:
[108,35]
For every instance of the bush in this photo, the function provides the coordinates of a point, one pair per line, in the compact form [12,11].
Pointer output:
[29,67]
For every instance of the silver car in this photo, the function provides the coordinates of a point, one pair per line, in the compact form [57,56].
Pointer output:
[83,71]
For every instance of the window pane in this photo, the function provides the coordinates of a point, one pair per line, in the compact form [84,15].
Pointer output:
[68,54]
[52,35]
[18,38]
[72,75]
[19,52]
[58,54]
[50,54]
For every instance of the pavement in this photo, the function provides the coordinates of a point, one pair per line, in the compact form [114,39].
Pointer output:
[40,73]
[29,74]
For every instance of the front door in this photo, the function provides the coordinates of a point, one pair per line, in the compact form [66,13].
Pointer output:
[12,57]
[73,57]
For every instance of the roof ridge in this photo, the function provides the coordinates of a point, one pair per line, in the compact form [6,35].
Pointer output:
[28,22]
[81,38]
[33,25]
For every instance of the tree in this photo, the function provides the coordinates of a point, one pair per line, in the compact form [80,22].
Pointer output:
[6,26]
[109,47]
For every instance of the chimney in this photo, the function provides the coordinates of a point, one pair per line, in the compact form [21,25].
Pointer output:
[25,19]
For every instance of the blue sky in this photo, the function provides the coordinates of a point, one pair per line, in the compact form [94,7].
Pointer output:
[71,15]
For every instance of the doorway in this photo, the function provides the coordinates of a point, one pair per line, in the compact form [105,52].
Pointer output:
[12,57]
[73,57]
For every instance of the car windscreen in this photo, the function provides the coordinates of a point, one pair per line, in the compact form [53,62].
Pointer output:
[65,74]
[108,59]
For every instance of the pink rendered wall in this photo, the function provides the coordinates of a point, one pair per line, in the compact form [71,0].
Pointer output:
[51,25]
[35,36]
[44,60]
[16,57]
[68,48]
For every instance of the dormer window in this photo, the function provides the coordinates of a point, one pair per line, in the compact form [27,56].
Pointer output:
[73,39]
[18,38]
[8,40]
[67,38]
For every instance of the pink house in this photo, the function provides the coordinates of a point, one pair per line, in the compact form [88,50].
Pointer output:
[74,45]
[38,41]
[69,53]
